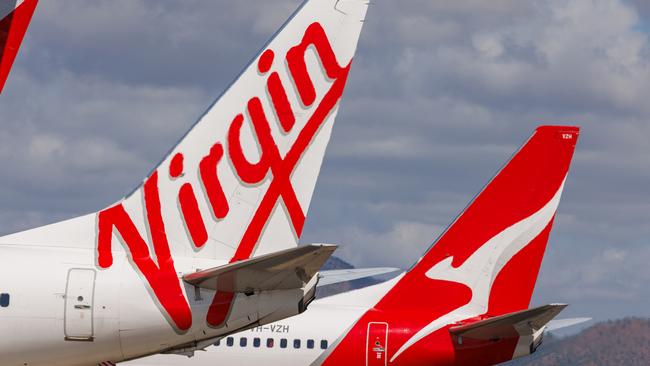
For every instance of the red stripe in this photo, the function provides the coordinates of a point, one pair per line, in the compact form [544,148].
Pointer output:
[160,276]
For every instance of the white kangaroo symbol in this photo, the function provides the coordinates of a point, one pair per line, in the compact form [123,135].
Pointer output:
[480,270]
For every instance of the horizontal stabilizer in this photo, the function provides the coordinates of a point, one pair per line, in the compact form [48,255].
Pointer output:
[342,275]
[521,323]
[565,323]
[283,270]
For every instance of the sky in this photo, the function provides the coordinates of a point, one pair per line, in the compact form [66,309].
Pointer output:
[440,95]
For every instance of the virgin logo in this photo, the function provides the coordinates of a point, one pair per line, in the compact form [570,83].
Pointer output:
[161,274]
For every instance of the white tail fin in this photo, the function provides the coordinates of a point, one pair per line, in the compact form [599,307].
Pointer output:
[241,180]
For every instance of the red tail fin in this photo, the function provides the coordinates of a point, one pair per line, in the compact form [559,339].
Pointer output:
[14,20]
[488,260]
[484,265]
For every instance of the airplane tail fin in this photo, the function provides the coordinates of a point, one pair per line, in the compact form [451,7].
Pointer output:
[15,16]
[486,263]
[239,183]
[495,247]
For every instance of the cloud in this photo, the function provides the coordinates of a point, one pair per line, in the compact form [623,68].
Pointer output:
[393,247]
[77,143]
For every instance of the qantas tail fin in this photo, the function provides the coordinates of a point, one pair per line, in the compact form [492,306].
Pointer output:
[487,261]
[15,16]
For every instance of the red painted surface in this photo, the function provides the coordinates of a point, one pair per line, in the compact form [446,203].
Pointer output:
[176,166]
[162,277]
[281,103]
[270,160]
[192,215]
[12,31]
[522,188]
[266,61]
[314,37]
[211,183]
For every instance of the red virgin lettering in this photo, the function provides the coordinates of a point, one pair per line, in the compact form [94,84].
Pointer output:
[277,92]
[161,274]
[161,277]
[254,173]
[266,61]
[219,308]
[250,173]
[314,36]
[221,303]
[176,166]
[281,102]
[192,215]
[270,158]
[211,183]
[189,205]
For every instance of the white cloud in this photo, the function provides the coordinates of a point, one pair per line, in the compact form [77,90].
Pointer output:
[394,247]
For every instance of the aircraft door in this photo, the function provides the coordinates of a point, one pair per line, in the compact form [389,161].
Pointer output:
[376,344]
[79,295]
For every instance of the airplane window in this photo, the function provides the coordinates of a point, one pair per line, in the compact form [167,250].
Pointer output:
[283,343]
[296,343]
[230,341]
[256,342]
[323,344]
[217,343]
[270,342]
[4,300]
[310,343]
[243,341]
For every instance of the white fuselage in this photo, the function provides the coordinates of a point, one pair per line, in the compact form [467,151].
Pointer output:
[292,342]
[296,341]
[63,311]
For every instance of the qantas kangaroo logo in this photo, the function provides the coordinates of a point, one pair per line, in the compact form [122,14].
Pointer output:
[480,270]
[161,276]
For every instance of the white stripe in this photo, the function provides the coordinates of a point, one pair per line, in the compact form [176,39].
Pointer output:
[480,270]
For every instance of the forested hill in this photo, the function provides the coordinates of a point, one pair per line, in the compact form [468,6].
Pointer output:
[623,342]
